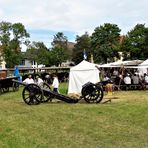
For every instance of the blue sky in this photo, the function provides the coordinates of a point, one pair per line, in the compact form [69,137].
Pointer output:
[44,18]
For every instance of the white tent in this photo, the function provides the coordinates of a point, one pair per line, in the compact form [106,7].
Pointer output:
[143,67]
[113,64]
[80,74]
[122,63]
[144,63]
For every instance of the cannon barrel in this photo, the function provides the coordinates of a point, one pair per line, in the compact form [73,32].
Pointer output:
[60,96]
[19,82]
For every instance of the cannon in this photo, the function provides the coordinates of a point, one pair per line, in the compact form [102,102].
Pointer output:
[33,94]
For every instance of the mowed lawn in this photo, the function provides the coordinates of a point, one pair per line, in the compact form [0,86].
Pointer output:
[121,123]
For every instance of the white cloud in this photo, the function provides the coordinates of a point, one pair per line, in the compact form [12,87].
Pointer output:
[76,16]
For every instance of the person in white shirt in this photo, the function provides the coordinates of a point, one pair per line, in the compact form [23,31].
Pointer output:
[29,80]
[135,79]
[39,81]
[146,78]
[127,79]
[55,84]
[106,78]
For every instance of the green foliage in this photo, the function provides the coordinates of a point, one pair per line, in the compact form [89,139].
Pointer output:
[82,43]
[136,43]
[59,52]
[105,43]
[19,32]
[5,28]
[38,52]
[11,37]
[12,58]
[57,56]
[59,41]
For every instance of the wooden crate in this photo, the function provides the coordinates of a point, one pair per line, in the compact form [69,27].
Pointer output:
[3,74]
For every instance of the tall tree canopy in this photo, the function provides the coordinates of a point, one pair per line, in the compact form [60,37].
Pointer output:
[11,37]
[38,52]
[135,45]
[59,52]
[60,40]
[57,56]
[105,43]
[82,44]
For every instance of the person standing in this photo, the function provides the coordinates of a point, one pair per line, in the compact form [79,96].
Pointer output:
[55,84]
[39,81]
[17,74]
[145,78]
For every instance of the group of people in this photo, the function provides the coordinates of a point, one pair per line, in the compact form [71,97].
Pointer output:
[124,77]
[39,82]
[134,79]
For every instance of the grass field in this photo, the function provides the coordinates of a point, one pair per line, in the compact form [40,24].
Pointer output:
[123,123]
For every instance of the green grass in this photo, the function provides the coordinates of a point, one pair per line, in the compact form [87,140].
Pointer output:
[121,123]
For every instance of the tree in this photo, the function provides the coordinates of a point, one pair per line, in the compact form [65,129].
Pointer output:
[11,37]
[57,56]
[38,52]
[59,52]
[105,43]
[60,41]
[1,58]
[82,43]
[4,37]
[5,28]
[135,45]
[19,32]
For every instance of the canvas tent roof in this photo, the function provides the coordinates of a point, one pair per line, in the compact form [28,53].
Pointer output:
[122,63]
[143,67]
[145,63]
[80,74]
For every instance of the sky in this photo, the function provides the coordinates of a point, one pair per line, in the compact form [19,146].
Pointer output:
[44,18]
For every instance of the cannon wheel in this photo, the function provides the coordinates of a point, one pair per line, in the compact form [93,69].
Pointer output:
[32,94]
[92,93]
[5,89]
[15,86]
[47,97]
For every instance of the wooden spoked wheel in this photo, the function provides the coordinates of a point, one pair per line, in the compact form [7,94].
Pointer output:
[92,93]
[47,97]
[5,89]
[32,94]
[15,86]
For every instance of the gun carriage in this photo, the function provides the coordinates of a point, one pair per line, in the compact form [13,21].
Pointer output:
[6,83]
[33,94]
